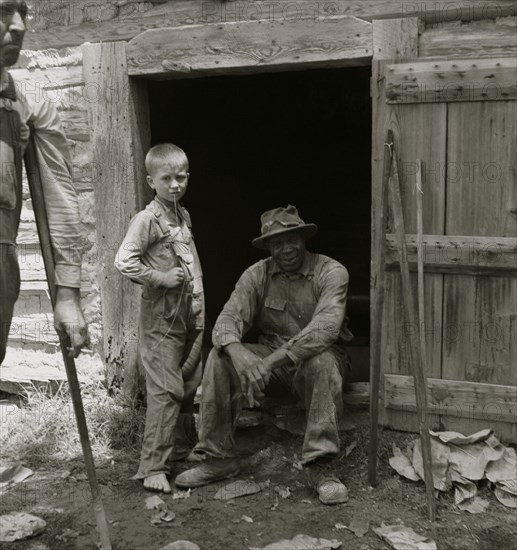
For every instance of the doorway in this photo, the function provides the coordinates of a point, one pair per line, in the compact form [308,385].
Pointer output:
[260,141]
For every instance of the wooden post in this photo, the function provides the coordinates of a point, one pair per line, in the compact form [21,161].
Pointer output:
[378,307]
[415,358]
[392,40]
[119,119]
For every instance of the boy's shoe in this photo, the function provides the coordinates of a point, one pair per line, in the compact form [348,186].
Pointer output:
[211,470]
[331,490]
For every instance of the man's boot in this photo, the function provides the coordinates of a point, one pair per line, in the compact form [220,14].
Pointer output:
[212,469]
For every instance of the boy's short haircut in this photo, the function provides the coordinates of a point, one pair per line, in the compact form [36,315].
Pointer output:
[165,152]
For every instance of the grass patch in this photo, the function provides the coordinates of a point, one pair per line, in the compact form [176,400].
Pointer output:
[43,431]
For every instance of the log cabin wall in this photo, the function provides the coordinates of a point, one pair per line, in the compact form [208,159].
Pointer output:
[475,28]
[56,75]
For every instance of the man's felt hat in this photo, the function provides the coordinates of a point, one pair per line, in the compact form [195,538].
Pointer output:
[282,220]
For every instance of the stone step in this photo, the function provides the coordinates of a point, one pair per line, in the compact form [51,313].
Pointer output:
[31,329]
[20,372]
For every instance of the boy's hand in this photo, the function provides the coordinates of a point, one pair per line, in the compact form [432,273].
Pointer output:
[173,278]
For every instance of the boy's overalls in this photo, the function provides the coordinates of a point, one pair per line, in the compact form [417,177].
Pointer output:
[171,329]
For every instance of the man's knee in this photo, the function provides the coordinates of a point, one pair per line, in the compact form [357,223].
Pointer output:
[323,364]
[214,363]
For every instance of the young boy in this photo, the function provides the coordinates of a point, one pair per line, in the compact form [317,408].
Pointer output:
[159,253]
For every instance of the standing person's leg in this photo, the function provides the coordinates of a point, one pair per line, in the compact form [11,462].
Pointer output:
[185,436]
[9,290]
[220,407]
[161,350]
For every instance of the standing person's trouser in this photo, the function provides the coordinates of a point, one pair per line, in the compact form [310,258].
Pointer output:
[317,382]
[9,290]
[168,340]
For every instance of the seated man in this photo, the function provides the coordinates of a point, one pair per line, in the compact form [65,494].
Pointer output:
[297,301]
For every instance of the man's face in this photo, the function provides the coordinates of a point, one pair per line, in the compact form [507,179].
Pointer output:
[288,250]
[169,181]
[12,30]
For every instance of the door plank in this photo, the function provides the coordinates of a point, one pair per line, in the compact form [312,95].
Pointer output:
[478,327]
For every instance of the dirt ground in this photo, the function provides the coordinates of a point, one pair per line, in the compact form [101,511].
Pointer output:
[61,497]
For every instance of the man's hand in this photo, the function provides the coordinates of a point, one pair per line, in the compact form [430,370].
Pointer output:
[251,370]
[173,278]
[278,358]
[69,318]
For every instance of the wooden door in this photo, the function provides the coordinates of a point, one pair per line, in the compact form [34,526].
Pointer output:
[459,117]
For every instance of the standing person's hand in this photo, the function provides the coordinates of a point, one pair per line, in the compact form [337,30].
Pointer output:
[173,278]
[69,318]
[251,370]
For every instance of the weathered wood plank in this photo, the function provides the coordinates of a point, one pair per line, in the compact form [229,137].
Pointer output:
[478,324]
[250,47]
[481,189]
[456,254]
[455,398]
[119,137]
[75,124]
[459,39]
[39,81]
[456,80]
[74,23]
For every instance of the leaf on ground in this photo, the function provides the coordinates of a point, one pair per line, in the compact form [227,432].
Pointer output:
[239,488]
[401,537]
[476,505]
[180,545]
[154,502]
[401,463]
[164,516]
[359,525]
[67,535]
[19,525]
[301,542]
[247,519]
[284,492]
[177,495]
[340,526]
[504,497]
[350,448]
[14,473]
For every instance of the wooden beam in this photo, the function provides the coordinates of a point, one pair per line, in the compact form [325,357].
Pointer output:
[456,398]
[73,23]
[120,134]
[457,39]
[34,81]
[250,47]
[457,80]
[457,254]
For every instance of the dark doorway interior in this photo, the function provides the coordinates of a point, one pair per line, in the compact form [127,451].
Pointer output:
[259,141]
